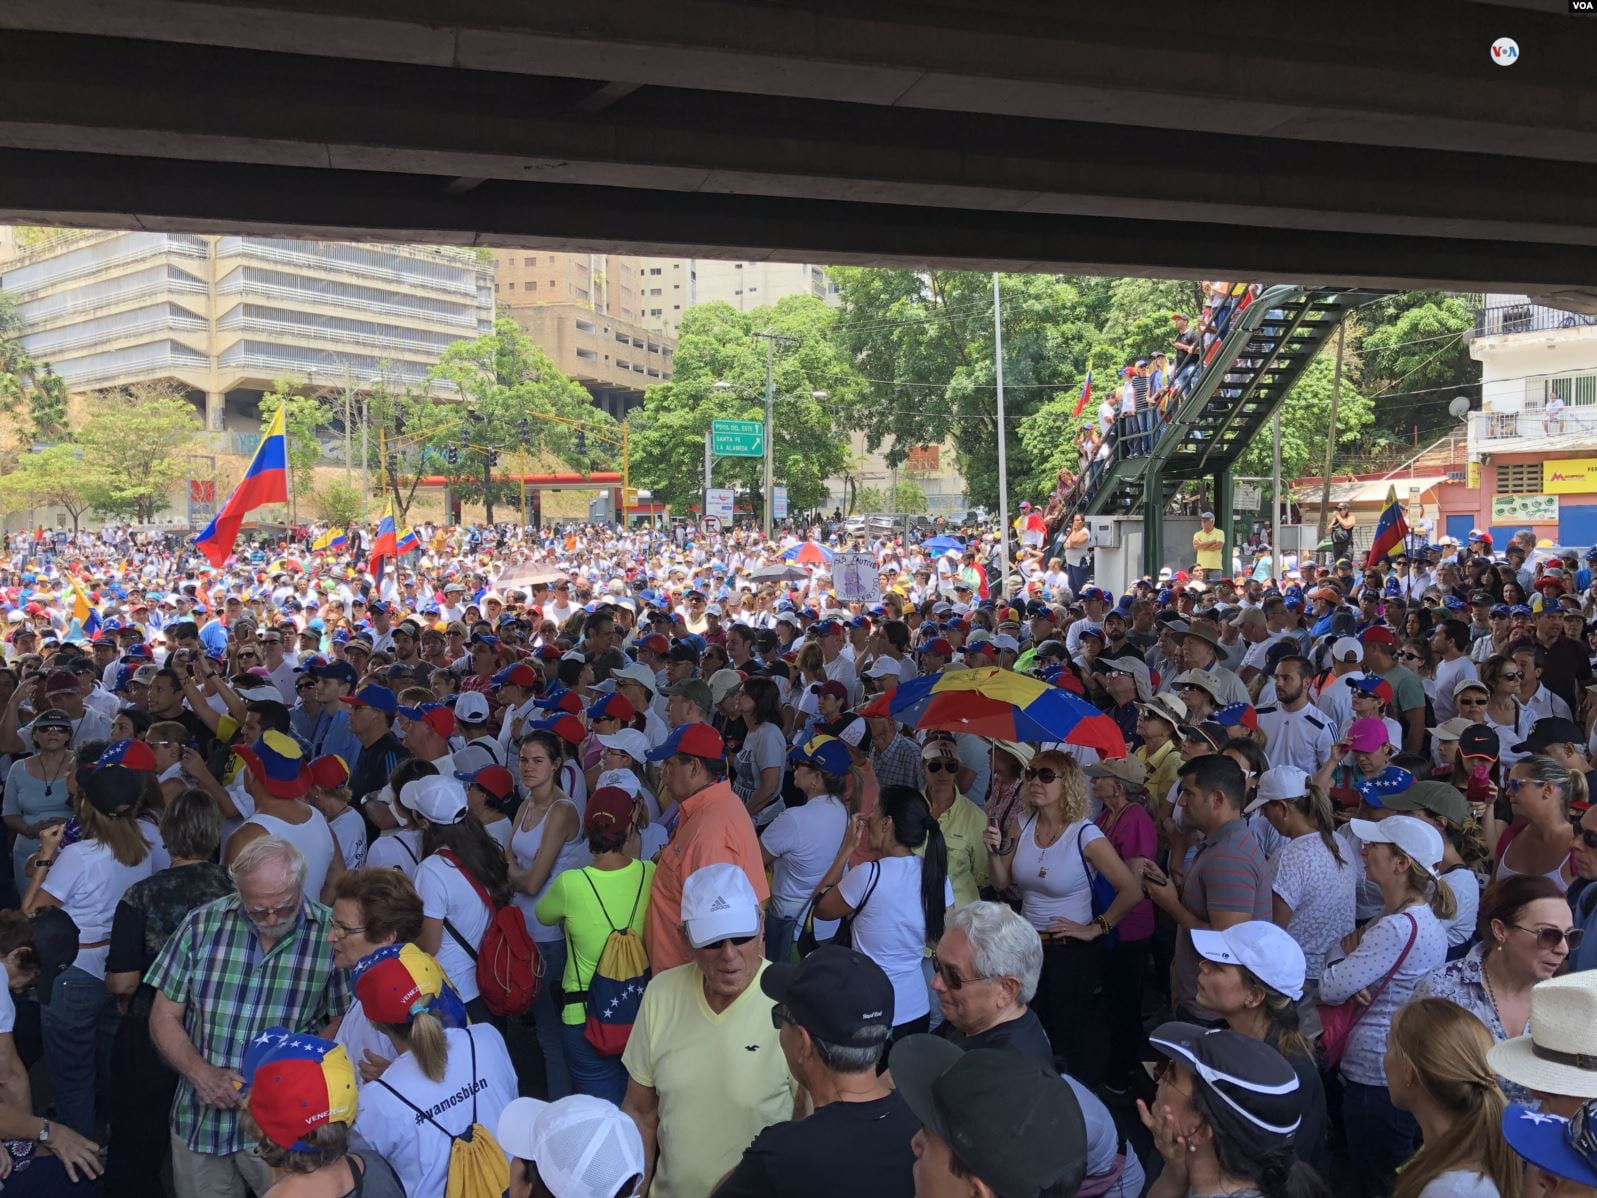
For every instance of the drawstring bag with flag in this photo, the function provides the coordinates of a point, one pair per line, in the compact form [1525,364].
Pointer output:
[615,990]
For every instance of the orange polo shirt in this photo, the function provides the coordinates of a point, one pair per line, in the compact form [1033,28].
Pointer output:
[713,828]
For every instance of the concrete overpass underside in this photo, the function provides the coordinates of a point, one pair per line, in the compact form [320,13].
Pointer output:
[1361,143]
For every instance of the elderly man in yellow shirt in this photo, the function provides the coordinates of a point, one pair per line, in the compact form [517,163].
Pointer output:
[704,1061]
[1208,544]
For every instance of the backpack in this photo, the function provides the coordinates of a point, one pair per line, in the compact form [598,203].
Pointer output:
[509,969]
[615,988]
[478,1167]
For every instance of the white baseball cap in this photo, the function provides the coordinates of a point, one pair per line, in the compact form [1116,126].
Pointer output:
[718,902]
[584,1147]
[471,707]
[1414,838]
[1347,649]
[1279,782]
[630,741]
[442,800]
[639,673]
[882,667]
[620,779]
[1267,952]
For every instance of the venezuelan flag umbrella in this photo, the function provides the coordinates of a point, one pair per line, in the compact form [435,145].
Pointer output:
[808,554]
[1007,706]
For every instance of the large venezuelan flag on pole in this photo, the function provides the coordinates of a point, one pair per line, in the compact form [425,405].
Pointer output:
[385,544]
[1086,395]
[84,614]
[266,481]
[1390,529]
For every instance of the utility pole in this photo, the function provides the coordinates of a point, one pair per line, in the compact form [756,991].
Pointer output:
[770,340]
[1003,459]
[1275,499]
[1330,439]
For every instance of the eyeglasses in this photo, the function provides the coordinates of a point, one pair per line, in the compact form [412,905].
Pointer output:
[717,945]
[282,912]
[938,766]
[1042,773]
[951,976]
[340,930]
[1551,938]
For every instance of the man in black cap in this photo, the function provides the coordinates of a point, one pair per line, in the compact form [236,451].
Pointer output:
[835,1013]
[994,1124]
[1565,742]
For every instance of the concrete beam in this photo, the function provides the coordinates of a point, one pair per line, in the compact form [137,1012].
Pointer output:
[73,189]
[1378,72]
[207,104]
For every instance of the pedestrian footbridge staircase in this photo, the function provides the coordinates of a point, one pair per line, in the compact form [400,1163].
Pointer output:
[1264,352]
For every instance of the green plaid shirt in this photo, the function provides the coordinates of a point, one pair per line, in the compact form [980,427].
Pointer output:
[232,990]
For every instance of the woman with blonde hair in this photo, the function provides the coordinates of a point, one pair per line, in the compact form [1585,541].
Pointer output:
[1436,1070]
[445,1076]
[1542,793]
[1052,860]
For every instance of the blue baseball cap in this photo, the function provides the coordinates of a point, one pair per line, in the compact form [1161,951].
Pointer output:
[341,670]
[373,695]
[1566,1148]
[825,753]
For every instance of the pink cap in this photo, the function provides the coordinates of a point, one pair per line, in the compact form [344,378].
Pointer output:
[1367,735]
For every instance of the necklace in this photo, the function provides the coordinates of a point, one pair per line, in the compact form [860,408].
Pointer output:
[49,781]
[1042,851]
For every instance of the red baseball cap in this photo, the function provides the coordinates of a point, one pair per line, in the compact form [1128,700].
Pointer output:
[691,740]
[436,716]
[655,643]
[330,771]
[496,780]
[1378,634]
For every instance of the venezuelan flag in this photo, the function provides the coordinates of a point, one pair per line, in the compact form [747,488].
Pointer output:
[407,542]
[266,481]
[1390,529]
[1086,396]
[385,544]
[333,538]
[84,613]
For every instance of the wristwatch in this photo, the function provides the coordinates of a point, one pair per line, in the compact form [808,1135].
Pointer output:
[44,1131]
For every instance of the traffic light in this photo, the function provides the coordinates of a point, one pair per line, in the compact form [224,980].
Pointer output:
[493,458]
[452,455]
[524,428]
[582,442]
[393,464]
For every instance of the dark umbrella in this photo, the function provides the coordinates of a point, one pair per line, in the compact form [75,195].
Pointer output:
[779,573]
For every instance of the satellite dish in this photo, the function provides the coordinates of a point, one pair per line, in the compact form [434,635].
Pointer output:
[1459,408]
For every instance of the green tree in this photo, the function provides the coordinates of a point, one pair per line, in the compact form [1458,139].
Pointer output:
[304,417]
[719,374]
[339,503]
[508,389]
[32,394]
[134,444]
[1413,346]
[54,477]
[1306,422]
[47,406]
[906,499]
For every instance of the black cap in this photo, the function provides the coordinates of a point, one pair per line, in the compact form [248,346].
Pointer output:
[1009,1119]
[1479,741]
[1255,1102]
[835,994]
[1554,730]
[112,789]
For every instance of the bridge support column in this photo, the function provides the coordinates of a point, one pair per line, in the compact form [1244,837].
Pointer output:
[1152,522]
[1224,494]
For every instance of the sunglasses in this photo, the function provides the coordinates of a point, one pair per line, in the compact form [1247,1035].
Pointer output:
[717,945]
[1516,784]
[1587,837]
[937,767]
[1472,702]
[1406,655]
[1042,773]
[1511,675]
[951,976]
[1551,938]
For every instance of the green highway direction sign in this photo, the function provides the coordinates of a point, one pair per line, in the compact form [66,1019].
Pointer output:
[737,438]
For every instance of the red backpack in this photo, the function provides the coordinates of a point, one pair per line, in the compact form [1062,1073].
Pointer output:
[509,969]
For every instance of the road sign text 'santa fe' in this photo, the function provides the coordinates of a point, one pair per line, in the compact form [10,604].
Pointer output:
[737,438]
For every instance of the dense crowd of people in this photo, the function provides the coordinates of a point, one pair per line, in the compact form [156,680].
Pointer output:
[596,863]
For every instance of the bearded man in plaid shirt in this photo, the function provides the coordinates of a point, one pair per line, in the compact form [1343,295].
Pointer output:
[236,966]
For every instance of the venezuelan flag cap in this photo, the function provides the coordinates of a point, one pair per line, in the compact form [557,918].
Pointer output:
[297,1083]
[400,981]
[278,762]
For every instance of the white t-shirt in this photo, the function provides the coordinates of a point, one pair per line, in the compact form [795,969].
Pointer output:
[1053,882]
[1320,893]
[1448,675]
[350,832]
[804,842]
[89,882]
[890,928]
[447,894]
[418,1151]
[1466,888]
[399,849]
[357,1035]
